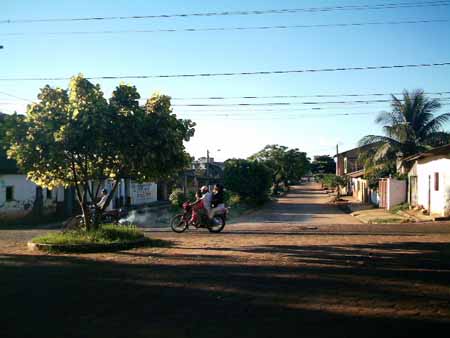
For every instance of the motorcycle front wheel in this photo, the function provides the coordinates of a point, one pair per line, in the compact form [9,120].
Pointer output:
[218,223]
[178,223]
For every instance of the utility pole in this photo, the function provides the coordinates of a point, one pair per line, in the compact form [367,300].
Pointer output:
[207,163]
[337,159]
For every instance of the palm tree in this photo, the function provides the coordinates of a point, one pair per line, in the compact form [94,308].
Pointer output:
[410,127]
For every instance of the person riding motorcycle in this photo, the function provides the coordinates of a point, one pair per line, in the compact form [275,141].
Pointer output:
[103,199]
[197,206]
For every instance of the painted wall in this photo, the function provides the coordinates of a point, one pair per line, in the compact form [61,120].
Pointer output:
[23,196]
[374,197]
[360,189]
[396,192]
[440,200]
[143,193]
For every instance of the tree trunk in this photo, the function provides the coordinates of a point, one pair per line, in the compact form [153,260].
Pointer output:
[86,216]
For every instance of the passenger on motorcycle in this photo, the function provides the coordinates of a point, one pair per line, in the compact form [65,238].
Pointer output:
[217,202]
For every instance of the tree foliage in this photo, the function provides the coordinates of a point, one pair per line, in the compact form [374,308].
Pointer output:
[285,164]
[251,180]
[323,164]
[410,127]
[75,137]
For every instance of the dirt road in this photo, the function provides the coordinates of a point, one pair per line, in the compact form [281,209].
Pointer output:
[297,268]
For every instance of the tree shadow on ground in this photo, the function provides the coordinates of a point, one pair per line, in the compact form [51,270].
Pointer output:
[337,296]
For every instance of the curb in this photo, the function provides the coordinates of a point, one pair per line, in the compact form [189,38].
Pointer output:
[87,248]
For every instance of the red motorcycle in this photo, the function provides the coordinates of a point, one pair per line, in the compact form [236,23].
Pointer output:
[181,222]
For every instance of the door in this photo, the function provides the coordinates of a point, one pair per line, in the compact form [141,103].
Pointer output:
[413,190]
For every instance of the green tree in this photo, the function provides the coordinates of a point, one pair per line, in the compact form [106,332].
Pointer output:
[410,127]
[285,164]
[323,164]
[333,181]
[251,180]
[77,138]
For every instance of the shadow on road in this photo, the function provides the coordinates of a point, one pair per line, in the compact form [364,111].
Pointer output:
[386,290]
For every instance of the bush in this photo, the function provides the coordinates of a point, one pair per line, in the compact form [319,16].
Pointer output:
[106,234]
[177,198]
[250,180]
[231,198]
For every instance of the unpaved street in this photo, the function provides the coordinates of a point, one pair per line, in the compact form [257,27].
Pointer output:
[298,267]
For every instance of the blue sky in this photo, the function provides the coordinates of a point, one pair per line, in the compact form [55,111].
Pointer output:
[243,132]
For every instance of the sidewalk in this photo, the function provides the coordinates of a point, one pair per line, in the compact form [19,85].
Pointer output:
[368,213]
[380,216]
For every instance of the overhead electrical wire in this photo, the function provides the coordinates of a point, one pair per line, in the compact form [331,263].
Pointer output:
[284,103]
[298,96]
[397,5]
[219,29]
[251,97]
[270,72]
[15,96]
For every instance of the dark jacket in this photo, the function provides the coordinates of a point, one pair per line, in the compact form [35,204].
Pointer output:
[217,199]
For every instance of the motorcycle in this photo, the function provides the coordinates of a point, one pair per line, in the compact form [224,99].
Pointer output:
[108,217]
[182,222]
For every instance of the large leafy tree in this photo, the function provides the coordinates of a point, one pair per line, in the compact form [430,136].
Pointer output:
[251,180]
[323,164]
[77,138]
[285,164]
[410,127]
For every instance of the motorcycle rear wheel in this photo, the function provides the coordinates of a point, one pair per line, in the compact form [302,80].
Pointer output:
[178,224]
[218,223]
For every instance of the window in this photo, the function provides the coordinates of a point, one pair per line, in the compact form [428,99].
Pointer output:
[436,181]
[9,194]
[49,194]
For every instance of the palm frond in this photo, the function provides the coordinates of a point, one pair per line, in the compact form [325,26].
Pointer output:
[435,124]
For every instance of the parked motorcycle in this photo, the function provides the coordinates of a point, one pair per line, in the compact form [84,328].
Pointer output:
[109,216]
[182,222]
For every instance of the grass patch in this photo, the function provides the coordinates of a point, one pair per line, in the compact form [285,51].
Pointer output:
[107,234]
[400,207]
[387,220]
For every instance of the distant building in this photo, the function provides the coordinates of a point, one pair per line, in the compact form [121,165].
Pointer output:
[348,161]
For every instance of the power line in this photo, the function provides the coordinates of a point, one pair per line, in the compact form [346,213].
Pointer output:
[297,96]
[270,111]
[240,13]
[291,117]
[271,72]
[17,97]
[219,29]
[243,104]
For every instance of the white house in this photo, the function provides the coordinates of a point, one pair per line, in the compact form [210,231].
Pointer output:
[429,180]
[17,196]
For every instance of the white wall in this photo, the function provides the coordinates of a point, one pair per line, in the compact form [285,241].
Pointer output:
[440,200]
[143,193]
[396,192]
[23,197]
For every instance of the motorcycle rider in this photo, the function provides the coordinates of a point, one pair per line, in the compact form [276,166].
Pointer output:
[197,206]
[103,199]
[207,199]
